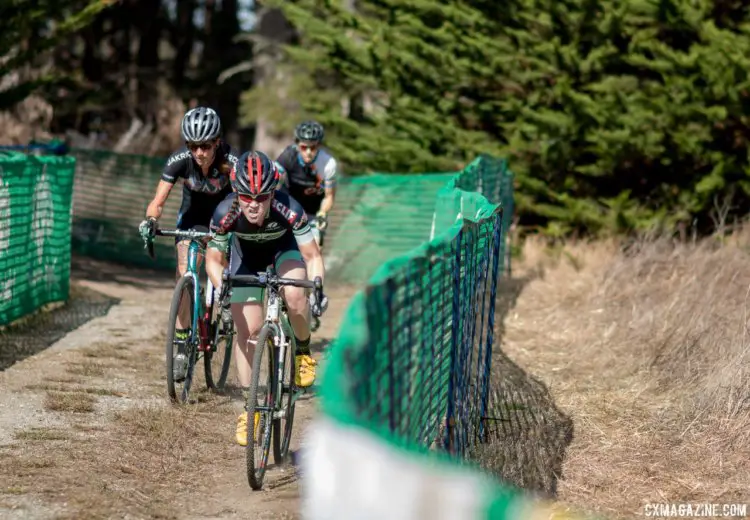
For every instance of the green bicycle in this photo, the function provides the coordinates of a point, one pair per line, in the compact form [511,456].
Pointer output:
[273,393]
[211,330]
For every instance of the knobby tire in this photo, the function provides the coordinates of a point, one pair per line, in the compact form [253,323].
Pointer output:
[256,469]
[184,284]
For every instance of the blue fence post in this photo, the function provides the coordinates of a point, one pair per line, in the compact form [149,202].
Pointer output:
[497,238]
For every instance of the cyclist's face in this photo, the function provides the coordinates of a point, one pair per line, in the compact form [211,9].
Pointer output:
[203,153]
[255,209]
[307,150]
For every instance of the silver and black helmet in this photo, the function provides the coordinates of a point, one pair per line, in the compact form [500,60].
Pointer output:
[309,131]
[201,124]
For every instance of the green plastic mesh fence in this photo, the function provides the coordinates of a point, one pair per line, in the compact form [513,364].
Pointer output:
[490,177]
[428,317]
[406,389]
[110,197]
[525,435]
[35,212]
[375,217]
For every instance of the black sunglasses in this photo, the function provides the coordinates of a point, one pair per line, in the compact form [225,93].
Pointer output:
[203,146]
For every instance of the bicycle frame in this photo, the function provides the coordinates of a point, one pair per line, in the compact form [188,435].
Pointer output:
[200,308]
[279,322]
[278,329]
[194,249]
[209,326]
[276,318]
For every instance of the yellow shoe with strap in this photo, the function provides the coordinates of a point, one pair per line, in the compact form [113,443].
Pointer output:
[304,365]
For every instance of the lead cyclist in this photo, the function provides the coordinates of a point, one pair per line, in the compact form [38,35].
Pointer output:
[309,174]
[254,227]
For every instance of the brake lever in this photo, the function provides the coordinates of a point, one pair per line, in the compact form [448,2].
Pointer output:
[150,242]
[318,295]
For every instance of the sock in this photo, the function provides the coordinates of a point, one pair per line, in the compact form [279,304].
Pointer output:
[303,346]
[181,335]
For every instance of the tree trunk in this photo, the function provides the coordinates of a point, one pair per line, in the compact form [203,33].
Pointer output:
[149,29]
[183,42]
[91,64]
[275,30]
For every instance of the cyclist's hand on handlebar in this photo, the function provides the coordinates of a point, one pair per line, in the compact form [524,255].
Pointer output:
[147,228]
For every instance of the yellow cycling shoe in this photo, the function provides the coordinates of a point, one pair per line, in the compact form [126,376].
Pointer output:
[305,371]
[241,435]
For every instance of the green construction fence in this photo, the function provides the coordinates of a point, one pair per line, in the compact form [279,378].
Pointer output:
[35,218]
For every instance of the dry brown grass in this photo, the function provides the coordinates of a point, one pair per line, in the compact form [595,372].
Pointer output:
[69,402]
[42,434]
[28,119]
[86,368]
[65,388]
[108,350]
[647,349]
[139,460]
[140,463]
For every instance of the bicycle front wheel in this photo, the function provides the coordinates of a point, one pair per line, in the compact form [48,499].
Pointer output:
[181,353]
[261,402]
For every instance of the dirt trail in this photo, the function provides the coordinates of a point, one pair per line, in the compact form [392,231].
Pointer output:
[86,430]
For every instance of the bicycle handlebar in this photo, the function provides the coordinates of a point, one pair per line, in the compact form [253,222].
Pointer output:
[265,279]
[183,233]
[196,233]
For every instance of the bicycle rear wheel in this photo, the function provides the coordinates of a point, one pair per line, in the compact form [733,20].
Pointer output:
[218,360]
[180,371]
[263,388]
[282,427]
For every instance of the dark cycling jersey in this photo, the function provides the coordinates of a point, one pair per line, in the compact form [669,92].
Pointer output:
[200,193]
[252,248]
[307,182]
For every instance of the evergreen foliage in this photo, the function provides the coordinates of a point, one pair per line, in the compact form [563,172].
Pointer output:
[29,28]
[615,115]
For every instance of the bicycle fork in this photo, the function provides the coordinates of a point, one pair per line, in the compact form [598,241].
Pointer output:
[205,333]
[280,343]
[199,337]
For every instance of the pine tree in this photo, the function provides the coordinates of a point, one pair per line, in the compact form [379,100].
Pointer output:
[394,84]
[642,122]
[30,28]
[615,115]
